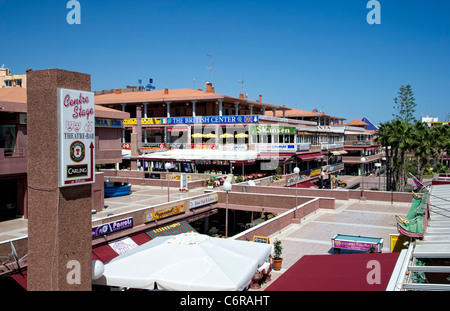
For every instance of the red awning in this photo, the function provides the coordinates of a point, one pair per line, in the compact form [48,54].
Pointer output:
[106,252]
[306,185]
[310,156]
[343,272]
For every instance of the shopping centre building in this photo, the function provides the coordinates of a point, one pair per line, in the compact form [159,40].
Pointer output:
[205,132]
[199,133]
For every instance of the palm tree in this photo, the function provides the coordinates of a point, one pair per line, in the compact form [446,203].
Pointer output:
[384,138]
[403,136]
[422,146]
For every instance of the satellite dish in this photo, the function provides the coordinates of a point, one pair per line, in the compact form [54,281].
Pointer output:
[12,255]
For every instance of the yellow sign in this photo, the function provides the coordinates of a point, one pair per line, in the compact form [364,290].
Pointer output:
[261,239]
[178,177]
[398,242]
[144,121]
[316,172]
[165,213]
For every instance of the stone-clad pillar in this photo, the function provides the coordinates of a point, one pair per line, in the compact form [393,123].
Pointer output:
[59,220]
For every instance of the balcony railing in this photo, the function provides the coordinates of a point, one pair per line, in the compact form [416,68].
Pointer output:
[359,142]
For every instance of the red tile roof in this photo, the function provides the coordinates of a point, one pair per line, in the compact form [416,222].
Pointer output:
[15,100]
[171,95]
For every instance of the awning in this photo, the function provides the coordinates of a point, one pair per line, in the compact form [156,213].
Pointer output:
[274,156]
[201,154]
[306,185]
[310,156]
[171,229]
[344,272]
[112,249]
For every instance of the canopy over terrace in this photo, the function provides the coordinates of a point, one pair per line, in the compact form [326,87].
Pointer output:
[345,272]
[188,261]
[201,154]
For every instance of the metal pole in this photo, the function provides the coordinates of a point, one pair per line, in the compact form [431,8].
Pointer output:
[226,217]
[296,201]
[168,187]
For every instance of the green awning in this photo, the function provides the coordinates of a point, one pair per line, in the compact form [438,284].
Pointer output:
[171,229]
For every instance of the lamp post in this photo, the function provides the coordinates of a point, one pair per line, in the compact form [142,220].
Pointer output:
[296,172]
[363,160]
[227,188]
[167,167]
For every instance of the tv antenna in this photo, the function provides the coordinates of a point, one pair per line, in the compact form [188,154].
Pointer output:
[242,86]
[147,87]
[212,67]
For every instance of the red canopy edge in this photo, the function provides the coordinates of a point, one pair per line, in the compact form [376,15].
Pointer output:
[343,272]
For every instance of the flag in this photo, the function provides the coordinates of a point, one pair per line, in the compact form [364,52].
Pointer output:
[417,182]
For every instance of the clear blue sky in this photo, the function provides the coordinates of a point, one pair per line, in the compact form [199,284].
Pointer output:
[303,54]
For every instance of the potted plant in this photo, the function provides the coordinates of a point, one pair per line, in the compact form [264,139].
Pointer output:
[277,260]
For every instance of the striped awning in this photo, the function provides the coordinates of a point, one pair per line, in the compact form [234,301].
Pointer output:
[171,229]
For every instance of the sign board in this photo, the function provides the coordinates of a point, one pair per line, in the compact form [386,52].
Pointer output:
[112,226]
[76,137]
[213,119]
[203,201]
[184,181]
[398,242]
[261,239]
[103,122]
[167,212]
[274,129]
[277,147]
[123,245]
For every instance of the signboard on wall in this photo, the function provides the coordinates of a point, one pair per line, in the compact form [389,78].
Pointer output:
[167,212]
[76,137]
[203,201]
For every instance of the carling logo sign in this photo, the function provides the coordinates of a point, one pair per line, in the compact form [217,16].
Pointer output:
[76,126]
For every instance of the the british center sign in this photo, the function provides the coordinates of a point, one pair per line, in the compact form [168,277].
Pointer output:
[76,132]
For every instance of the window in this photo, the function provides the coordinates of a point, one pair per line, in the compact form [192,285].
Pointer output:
[8,137]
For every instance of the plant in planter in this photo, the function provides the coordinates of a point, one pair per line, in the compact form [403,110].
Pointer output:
[277,260]
[211,182]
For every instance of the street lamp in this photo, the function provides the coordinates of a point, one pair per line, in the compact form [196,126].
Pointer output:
[363,160]
[227,188]
[297,172]
[167,167]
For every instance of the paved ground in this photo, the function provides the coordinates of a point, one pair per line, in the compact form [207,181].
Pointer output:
[142,196]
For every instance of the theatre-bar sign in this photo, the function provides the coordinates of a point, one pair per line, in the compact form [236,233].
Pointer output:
[76,137]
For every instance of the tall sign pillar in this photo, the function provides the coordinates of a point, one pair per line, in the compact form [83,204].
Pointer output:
[61,137]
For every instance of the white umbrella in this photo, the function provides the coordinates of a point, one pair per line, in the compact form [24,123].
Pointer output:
[188,261]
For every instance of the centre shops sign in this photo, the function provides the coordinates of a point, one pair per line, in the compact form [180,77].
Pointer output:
[76,137]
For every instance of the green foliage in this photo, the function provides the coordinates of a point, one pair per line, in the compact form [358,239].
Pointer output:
[277,249]
[213,231]
[211,181]
[405,104]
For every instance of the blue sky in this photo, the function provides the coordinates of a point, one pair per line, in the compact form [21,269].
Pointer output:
[303,54]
